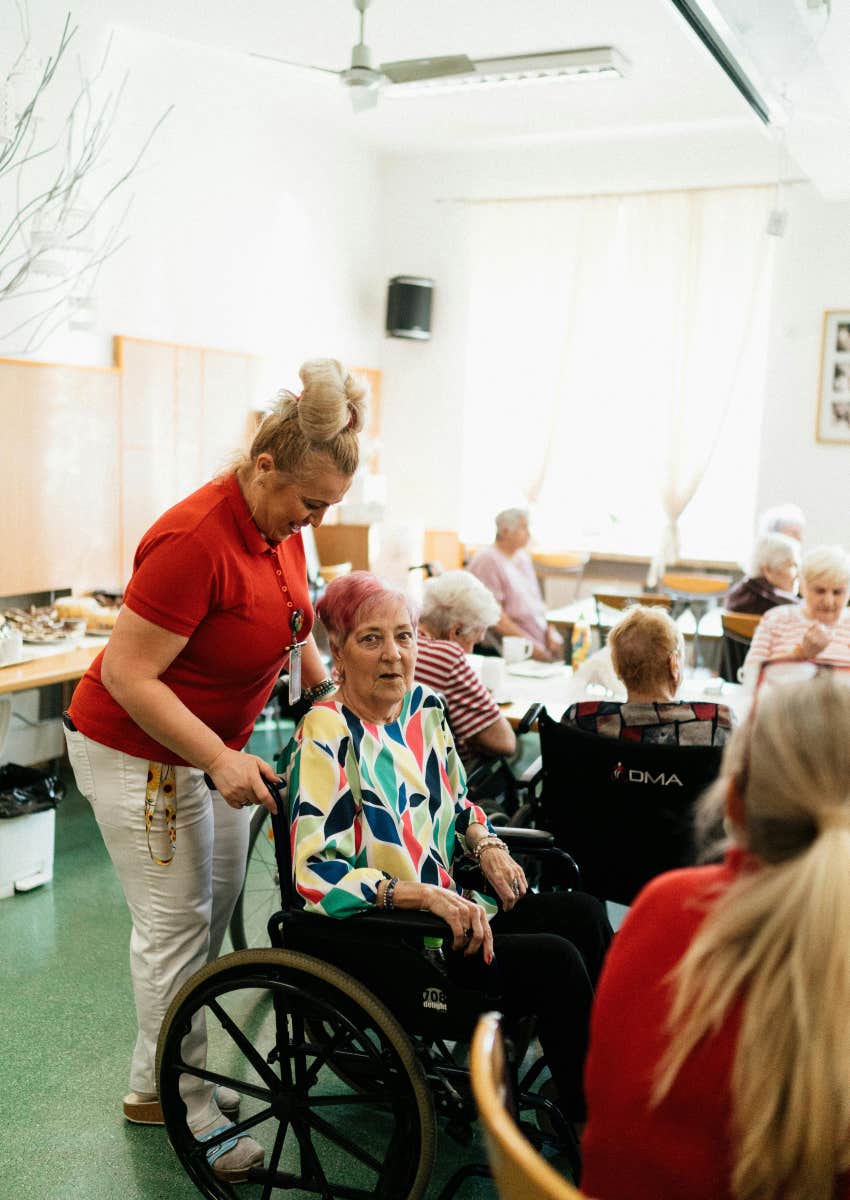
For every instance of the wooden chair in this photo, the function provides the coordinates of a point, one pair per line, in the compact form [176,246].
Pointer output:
[699,593]
[558,566]
[620,603]
[738,630]
[519,1172]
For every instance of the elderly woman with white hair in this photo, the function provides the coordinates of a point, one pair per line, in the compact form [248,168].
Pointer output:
[457,610]
[776,563]
[817,628]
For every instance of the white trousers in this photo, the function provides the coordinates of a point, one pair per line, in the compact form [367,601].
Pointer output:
[180,911]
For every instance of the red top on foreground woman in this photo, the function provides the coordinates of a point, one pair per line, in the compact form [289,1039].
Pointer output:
[720,1035]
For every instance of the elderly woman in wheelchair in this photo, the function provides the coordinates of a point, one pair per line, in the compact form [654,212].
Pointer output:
[379,827]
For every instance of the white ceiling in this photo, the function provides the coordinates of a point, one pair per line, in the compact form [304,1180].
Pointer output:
[674,84]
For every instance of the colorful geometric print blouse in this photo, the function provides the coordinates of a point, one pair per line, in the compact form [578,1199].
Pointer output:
[676,723]
[369,802]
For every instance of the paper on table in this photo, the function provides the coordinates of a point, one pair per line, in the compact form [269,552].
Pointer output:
[536,670]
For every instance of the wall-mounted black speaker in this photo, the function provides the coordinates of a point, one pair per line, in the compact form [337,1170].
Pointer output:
[409,307]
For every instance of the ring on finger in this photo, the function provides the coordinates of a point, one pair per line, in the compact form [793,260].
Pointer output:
[515,886]
[467,933]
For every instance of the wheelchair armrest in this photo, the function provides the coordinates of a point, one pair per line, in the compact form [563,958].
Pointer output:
[529,718]
[408,920]
[526,839]
[531,772]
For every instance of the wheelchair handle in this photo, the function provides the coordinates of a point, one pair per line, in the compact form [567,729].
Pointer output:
[274,792]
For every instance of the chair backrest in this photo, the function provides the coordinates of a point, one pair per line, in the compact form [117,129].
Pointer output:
[741,625]
[686,584]
[622,809]
[738,630]
[620,603]
[519,1172]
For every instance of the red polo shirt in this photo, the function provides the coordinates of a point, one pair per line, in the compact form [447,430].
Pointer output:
[204,571]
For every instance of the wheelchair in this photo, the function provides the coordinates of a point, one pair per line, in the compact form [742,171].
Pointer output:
[342,1070]
[492,785]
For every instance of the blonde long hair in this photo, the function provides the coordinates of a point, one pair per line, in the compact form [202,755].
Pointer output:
[780,937]
[324,420]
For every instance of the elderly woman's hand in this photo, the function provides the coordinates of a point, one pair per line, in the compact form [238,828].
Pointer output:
[504,874]
[814,640]
[468,920]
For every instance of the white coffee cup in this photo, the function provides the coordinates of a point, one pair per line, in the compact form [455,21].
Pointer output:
[493,675]
[516,649]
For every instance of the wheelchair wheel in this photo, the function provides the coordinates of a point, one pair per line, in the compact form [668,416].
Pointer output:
[260,895]
[285,1031]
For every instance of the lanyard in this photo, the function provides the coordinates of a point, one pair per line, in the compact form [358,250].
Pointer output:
[296,622]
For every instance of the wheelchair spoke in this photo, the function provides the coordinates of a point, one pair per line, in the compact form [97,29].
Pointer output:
[308,1153]
[343,1037]
[339,1139]
[351,1099]
[274,1162]
[256,1060]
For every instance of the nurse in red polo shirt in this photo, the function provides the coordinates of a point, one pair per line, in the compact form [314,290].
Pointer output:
[217,604]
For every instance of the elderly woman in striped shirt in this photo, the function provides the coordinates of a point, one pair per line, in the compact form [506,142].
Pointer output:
[380,815]
[817,628]
[457,610]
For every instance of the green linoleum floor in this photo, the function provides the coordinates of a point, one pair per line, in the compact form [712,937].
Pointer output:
[66,1032]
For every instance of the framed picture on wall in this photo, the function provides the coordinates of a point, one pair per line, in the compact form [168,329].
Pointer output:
[834,392]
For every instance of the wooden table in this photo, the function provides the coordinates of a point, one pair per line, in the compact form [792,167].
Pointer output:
[558,691]
[50,664]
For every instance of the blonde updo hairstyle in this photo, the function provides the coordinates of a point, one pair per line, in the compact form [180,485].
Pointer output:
[323,421]
[779,937]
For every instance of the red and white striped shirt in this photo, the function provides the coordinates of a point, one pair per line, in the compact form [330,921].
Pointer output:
[779,632]
[443,666]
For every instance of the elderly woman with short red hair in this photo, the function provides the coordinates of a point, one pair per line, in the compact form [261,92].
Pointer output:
[380,815]
[648,655]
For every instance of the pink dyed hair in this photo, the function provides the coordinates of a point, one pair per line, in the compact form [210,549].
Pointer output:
[351,598]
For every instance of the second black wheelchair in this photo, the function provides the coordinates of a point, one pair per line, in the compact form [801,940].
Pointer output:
[343,1074]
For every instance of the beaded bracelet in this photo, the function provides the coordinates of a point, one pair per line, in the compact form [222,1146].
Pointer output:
[319,690]
[491,840]
[388,892]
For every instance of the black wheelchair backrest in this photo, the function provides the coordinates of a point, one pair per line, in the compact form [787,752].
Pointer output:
[623,810]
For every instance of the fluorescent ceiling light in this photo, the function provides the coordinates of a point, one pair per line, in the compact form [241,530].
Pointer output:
[553,66]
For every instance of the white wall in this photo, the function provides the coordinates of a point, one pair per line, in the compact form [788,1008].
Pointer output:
[425,236]
[253,226]
[812,275]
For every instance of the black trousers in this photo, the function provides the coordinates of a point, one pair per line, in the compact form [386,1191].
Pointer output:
[548,952]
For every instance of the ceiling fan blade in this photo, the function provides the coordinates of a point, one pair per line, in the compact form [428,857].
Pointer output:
[411,70]
[285,62]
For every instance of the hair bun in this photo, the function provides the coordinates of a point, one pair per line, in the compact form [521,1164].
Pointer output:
[332,400]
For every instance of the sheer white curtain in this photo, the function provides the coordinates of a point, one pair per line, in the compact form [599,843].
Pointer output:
[611,341]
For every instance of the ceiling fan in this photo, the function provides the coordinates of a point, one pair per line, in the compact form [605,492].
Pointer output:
[365,82]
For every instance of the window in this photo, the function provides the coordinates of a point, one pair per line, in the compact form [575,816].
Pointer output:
[615,362]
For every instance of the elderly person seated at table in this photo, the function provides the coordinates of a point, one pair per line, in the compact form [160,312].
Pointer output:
[776,562]
[507,570]
[380,816]
[817,628]
[648,655]
[456,612]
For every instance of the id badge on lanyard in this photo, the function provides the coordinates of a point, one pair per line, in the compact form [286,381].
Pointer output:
[296,622]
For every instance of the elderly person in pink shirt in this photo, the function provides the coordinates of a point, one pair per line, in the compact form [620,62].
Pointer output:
[507,570]
[817,628]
